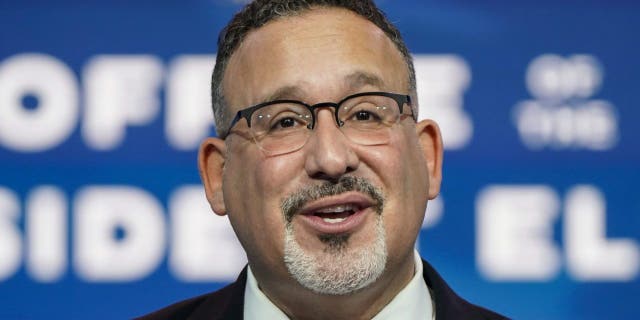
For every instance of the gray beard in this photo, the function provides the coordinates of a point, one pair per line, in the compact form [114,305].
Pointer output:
[339,269]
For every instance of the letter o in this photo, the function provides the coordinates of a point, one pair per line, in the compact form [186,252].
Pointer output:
[56,88]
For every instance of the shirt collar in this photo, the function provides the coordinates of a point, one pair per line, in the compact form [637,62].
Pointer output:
[256,303]
[412,302]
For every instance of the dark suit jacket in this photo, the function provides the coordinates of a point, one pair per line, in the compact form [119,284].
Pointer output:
[228,303]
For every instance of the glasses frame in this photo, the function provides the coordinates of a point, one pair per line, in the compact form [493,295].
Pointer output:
[400,99]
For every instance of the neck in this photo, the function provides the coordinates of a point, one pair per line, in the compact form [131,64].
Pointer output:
[301,303]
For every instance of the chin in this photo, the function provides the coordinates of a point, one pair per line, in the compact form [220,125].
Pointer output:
[339,267]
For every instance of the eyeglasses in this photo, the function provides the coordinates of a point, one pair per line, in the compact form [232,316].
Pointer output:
[284,126]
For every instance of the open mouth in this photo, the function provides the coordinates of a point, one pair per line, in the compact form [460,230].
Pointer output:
[336,214]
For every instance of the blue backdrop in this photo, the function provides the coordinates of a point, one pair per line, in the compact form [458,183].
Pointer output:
[103,104]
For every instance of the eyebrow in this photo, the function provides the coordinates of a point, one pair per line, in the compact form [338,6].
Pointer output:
[352,82]
[286,93]
[359,79]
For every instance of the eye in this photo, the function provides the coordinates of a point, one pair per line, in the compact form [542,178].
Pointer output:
[285,123]
[362,115]
[288,121]
[365,113]
[368,111]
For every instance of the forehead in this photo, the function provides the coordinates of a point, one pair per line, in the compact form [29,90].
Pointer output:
[319,55]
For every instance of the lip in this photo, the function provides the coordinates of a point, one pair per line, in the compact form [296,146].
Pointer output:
[350,224]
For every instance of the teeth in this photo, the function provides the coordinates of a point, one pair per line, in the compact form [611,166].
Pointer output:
[337,209]
[333,220]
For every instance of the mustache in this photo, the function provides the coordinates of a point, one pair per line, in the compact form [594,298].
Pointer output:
[296,201]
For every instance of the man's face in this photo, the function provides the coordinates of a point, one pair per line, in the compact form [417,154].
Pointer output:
[356,209]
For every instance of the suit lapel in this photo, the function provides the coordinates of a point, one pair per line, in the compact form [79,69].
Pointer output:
[227,303]
[448,304]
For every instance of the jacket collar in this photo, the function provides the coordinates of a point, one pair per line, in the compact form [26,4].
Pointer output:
[228,303]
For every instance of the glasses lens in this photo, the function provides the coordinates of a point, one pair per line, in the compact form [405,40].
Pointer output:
[281,127]
[368,119]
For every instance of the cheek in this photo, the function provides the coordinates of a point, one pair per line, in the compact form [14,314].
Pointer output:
[240,199]
[275,177]
[262,188]
[399,166]
[253,190]
[414,164]
[401,170]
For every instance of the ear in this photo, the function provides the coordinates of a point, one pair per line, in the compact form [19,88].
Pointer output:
[211,159]
[431,141]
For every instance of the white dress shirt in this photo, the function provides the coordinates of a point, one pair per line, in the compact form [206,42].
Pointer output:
[412,302]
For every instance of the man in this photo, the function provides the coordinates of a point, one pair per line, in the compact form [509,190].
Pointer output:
[322,169]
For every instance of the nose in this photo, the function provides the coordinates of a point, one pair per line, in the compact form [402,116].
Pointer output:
[329,153]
